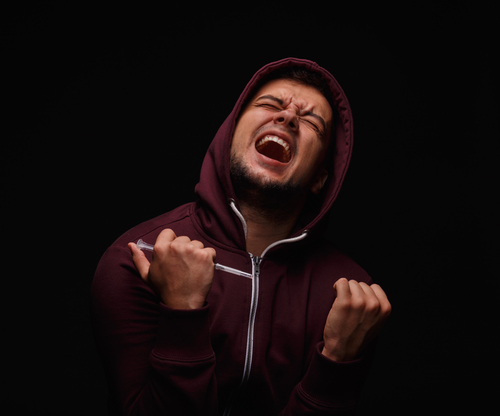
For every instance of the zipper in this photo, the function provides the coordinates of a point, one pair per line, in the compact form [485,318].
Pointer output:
[256,260]
[251,321]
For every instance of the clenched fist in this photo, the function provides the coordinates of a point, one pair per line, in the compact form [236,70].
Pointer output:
[357,315]
[181,271]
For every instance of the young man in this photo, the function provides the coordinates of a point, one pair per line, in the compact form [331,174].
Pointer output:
[244,308]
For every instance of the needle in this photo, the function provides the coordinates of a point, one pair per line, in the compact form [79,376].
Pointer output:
[149,247]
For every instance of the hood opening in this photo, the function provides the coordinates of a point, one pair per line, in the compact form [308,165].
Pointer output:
[215,187]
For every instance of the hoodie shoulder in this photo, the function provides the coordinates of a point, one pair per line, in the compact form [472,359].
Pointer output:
[328,257]
[175,219]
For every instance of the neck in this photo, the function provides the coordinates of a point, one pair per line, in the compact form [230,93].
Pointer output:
[264,230]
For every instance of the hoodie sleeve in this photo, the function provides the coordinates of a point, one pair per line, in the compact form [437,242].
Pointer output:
[157,360]
[328,387]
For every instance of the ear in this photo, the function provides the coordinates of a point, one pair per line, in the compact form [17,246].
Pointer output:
[319,182]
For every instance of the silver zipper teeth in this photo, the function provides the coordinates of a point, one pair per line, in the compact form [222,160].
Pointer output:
[251,325]
[253,305]
[251,320]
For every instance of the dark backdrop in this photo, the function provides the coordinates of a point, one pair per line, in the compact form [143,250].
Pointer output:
[108,111]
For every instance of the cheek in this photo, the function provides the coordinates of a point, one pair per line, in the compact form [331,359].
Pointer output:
[314,151]
[311,159]
[240,132]
[248,125]
[239,135]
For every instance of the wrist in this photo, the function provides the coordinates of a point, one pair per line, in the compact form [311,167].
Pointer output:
[336,354]
[183,303]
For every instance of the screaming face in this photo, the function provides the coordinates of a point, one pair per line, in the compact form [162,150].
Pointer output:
[282,136]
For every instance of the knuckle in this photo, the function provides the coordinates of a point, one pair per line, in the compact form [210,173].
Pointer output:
[372,305]
[177,246]
[167,233]
[158,249]
[386,309]
[357,303]
[206,255]
[342,304]
[342,281]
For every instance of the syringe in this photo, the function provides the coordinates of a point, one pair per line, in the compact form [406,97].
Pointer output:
[149,247]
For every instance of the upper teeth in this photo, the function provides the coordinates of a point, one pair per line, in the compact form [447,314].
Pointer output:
[274,139]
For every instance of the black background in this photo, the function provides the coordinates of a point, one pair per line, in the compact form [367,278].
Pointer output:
[109,109]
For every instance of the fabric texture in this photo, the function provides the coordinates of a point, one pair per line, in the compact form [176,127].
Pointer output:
[255,347]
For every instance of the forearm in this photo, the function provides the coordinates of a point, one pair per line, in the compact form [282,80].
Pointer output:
[182,364]
[328,387]
[157,360]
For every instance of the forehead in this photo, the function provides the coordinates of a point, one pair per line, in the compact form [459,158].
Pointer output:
[305,97]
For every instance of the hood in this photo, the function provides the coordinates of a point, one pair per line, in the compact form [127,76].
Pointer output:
[214,190]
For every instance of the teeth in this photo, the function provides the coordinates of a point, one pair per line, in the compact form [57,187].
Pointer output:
[275,139]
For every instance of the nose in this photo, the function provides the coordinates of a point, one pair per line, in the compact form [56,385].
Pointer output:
[288,118]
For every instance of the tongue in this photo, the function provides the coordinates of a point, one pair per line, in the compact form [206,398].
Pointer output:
[274,151]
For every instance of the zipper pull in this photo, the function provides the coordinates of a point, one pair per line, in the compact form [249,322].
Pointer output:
[256,263]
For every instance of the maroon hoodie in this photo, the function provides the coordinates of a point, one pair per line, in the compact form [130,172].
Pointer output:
[255,347]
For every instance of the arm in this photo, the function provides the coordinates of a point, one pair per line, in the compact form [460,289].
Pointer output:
[157,359]
[340,364]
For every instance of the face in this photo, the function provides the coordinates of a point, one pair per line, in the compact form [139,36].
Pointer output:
[282,135]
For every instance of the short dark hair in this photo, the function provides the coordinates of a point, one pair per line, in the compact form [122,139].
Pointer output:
[300,75]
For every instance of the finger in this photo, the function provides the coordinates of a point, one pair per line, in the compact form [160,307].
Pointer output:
[182,239]
[197,244]
[185,244]
[212,252]
[167,235]
[342,288]
[379,292]
[356,289]
[372,303]
[367,290]
[382,297]
[140,261]
[359,297]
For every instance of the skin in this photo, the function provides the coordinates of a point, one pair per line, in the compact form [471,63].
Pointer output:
[182,269]
[297,113]
[300,115]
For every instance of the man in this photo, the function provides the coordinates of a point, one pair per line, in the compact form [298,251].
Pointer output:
[244,308]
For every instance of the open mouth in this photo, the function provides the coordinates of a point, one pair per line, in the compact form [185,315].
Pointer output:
[274,148]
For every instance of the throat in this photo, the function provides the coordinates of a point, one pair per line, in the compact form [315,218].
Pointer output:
[262,231]
[270,209]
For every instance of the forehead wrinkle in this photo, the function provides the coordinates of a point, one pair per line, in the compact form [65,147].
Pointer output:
[300,104]
[286,98]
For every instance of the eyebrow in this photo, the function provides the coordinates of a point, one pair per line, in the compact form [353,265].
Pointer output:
[309,113]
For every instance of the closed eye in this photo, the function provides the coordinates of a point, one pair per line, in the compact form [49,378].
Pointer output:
[313,125]
[270,101]
[270,106]
[279,102]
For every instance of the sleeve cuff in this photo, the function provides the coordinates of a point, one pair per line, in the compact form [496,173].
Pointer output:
[183,335]
[334,384]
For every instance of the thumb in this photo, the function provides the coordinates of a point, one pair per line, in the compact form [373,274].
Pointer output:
[140,261]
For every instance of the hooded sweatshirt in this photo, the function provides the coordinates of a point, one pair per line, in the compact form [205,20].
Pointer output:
[255,347]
